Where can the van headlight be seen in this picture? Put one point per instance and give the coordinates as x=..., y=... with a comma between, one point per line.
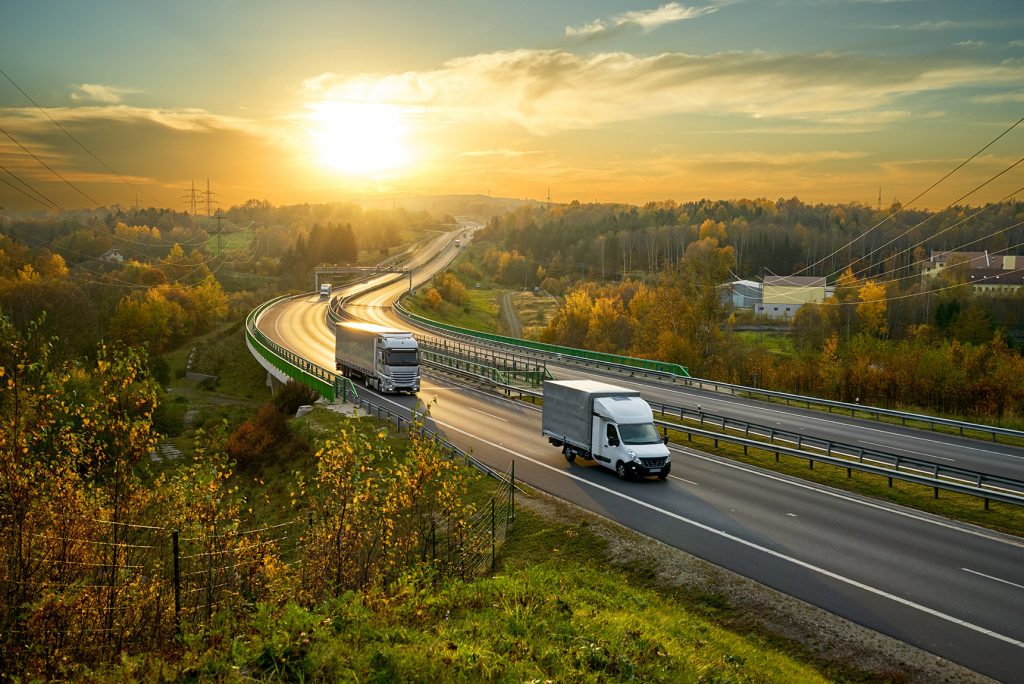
x=632, y=455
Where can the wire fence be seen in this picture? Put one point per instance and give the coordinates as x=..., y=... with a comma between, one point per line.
x=85, y=591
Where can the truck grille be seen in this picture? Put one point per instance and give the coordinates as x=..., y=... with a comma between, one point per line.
x=403, y=377
x=653, y=462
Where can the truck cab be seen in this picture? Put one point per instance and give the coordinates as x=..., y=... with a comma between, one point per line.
x=625, y=439
x=325, y=291
x=611, y=425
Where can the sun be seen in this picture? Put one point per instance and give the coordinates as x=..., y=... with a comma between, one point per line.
x=359, y=138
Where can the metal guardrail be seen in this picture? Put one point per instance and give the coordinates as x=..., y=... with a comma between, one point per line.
x=875, y=412
x=557, y=351
x=987, y=487
x=839, y=449
x=288, y=362
x=933, y=481
x=734, y=390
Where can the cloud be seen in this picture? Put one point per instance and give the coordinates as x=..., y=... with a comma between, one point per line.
x=188, y=120
x=94, y=92
x=593, y=28
x=648, y=20
x=1000, y=98
x=1017, y=43
x=970, y=43
x=546, y=91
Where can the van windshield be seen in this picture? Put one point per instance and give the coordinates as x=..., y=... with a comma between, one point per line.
x=402, y=357
x=639, y=433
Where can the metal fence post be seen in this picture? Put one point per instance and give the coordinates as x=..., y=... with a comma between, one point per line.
x=177, y=579
x=493, y=540
x=512, y=490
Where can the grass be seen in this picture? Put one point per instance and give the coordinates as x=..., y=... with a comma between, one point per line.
x=1002, y=517
x=534, y=310
x=480, y=310
x=777, y=343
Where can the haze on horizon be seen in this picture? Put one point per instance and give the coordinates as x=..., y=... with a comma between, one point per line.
x=826, y=100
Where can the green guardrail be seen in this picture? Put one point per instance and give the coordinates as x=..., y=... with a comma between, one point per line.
x=632, y=361
x=318, y=378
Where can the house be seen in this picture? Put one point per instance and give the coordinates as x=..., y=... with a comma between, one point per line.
x=112, y=255
x=999, y=281
x=742, y=294
x=939, y=261
x=782, y=296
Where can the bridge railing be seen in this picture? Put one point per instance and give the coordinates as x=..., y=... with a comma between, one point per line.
x=318, y=378
x=660, y=367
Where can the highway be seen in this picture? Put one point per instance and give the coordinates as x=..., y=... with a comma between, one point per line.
x=952, y=589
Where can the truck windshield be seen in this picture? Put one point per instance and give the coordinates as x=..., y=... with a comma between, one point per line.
x=639, y=433
x=402, y=357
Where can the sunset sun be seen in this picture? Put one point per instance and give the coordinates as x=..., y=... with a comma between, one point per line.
x=359, y=137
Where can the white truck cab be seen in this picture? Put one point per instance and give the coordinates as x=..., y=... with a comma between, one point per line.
x=611, y=425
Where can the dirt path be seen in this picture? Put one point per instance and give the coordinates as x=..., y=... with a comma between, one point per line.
x=508, y=315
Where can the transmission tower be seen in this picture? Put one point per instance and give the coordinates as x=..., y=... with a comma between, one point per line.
x=209, y=199
x=192, y=199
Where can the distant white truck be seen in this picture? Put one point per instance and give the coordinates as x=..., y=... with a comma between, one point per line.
x=325, y=290
x=385, y=359
x=606, y=423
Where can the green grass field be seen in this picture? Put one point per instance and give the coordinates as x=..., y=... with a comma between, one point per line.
x=479, y=311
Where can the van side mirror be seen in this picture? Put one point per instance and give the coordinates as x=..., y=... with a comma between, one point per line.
x=665, y=439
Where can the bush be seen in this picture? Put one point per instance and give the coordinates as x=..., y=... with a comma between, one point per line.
x=293, y=395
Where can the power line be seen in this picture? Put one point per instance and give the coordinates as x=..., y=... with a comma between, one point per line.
x=43, y=199
x=70, y=184
x=77, y=141
x=911, y=202
x=950, y=205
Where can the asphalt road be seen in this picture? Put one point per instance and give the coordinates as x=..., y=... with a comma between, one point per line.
x=949, y=588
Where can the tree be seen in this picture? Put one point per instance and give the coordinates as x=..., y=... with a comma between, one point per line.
x=871, y=312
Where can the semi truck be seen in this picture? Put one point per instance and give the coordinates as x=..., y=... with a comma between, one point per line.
x=611, y=425
x=325, y=290
x=385, y=359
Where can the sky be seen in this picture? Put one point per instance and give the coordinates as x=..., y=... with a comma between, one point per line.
x=826, y=100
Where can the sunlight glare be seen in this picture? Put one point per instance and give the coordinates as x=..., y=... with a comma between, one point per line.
x=359, y=137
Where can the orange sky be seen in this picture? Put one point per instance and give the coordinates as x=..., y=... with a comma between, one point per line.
x=825, y=100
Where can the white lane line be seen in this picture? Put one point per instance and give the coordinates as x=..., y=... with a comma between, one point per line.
x=676, y=477
x=981, y=574
x=851, y=499
x=909, y=451
x=726, y=402
x=491, y=415
x=803, y=485
x=739, y=540
x=792, y=515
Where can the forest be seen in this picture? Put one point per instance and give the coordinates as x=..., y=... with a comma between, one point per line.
x=649, y=282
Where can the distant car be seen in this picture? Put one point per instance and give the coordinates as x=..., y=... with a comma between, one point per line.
x=477, y=286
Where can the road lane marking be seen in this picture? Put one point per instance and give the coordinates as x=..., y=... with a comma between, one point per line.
x=491, y=415
x=757, y=547
x=676, y=477
x=981, y=574
x=689, y=392
x=851, y=499
x=909, y=451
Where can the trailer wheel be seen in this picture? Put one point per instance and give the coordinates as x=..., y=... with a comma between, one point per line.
x=620, y=470
x=569, y=452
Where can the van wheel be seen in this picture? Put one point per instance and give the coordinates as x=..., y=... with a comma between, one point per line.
x=620, y=470
x=570, y=453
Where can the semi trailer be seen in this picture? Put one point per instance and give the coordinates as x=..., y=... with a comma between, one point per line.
x=385, y=359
